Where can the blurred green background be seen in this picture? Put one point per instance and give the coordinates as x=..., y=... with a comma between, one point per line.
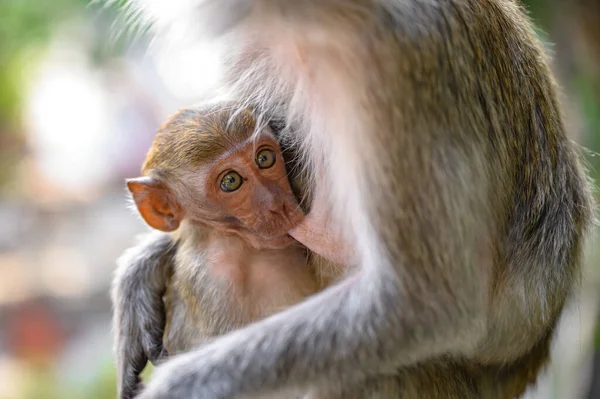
x=79, y=105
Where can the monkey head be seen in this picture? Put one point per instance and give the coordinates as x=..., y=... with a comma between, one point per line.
x=206, y=166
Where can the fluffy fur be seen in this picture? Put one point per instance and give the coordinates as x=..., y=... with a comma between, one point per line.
x=143, y=271
x=438, y=130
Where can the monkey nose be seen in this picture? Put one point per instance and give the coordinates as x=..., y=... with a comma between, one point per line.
x=284, y=215
x=275, y=205
x=293, y=214
x=277, y=208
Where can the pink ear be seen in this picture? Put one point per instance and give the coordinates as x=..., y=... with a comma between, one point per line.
x=156, y=203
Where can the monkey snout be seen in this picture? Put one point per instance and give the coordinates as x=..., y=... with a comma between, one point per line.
x=278, y=210
x=297, y=217
x=275, y=206
x=276, y=225
x=291, y=214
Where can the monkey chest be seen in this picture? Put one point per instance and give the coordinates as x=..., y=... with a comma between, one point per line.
x=227, y=293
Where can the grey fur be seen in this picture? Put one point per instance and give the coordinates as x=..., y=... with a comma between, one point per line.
x=150, y=313
x=453, y=170
x=139, y=284
x=166, y=301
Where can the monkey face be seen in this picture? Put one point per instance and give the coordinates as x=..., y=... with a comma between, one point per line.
x=244, y=190
x=249, y=188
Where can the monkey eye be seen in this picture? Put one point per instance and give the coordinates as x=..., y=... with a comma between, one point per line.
x=231, y=182
x=265, y=158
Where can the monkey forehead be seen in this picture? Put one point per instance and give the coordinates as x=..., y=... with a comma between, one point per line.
x=253, y=142
x=199, y=154
x=197, y=136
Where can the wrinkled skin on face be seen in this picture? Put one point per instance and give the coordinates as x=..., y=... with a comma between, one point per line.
x=250, y=187
x=244, y=191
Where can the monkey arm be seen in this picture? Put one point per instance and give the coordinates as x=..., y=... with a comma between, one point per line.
x=139, y=314
x=421, y=289
x=409, y=124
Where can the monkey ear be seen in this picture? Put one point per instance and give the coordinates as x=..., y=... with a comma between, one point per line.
x=156, y=203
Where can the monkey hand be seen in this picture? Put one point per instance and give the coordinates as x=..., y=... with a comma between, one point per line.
x=151, y=339
x=148, y=329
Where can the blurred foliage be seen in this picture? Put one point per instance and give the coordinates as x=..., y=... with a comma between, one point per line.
x=25, y=24
x=540, y=11
x=42, y=382
x=26, y=28
x=555, y=19
x=589, y=92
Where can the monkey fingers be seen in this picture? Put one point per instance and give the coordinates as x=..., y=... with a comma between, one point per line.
x=132, y=362
x=152, y=341
x=133, y=389
x=157, y=353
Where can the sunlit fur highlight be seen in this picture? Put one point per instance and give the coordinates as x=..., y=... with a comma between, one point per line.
x=429, y=120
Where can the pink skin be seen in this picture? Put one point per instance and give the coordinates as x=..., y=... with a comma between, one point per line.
x=316, y=232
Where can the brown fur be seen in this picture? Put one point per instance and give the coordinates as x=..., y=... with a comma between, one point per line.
x=437, y=127
x=193, y=136
x=215, y=271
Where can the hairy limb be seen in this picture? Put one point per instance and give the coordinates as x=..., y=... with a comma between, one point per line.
x=139, y=314
x=390, y=313
x=437, y=125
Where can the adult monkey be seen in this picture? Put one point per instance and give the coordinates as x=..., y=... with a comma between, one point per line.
x=437, y=127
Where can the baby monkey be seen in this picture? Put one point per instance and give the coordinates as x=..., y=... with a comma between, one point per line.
x=222, y=257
